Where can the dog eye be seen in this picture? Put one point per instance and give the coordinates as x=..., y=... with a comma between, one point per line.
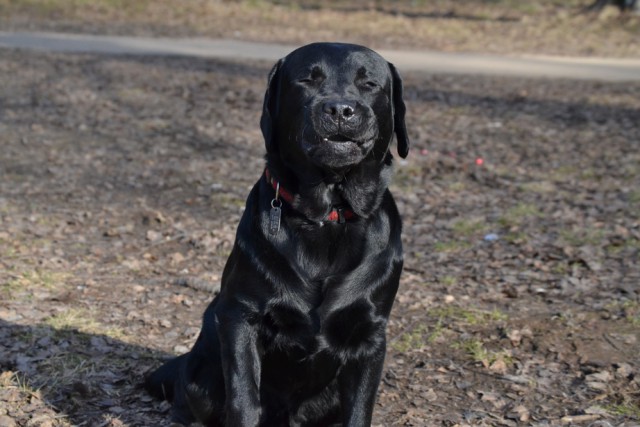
x=315, y=76
x=369, y=84
x=310, y=81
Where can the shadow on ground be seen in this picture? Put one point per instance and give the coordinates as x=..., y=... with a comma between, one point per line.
x=73, y=377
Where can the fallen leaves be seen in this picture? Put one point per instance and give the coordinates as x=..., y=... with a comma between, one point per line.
x=519, y=300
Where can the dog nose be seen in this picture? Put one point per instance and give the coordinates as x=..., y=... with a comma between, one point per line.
x=339, y=109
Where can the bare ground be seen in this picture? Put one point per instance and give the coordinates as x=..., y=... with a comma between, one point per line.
x=122, y=181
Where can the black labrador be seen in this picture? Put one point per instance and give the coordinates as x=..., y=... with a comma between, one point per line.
x=296, y=336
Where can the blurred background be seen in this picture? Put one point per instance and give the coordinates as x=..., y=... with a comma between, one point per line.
x=569, y=27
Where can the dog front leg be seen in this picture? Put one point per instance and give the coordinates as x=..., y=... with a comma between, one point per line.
x=358, y=384
x=241, y=367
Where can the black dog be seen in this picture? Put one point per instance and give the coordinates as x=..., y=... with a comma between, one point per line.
x=296, y=336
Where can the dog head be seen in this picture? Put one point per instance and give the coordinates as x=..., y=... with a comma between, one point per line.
x=333, y=105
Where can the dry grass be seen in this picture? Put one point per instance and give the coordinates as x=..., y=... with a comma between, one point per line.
x=501, y=26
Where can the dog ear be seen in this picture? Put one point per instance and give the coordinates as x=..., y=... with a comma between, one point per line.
x=399, y=112
x=269, y=107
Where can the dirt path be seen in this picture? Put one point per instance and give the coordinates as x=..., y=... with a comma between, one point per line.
x=606, y=69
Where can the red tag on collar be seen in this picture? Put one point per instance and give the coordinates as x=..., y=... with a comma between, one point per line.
x=340, y=215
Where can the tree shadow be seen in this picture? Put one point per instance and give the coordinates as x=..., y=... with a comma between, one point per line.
x=85, y=378
x=568, y=113
x=130, y=126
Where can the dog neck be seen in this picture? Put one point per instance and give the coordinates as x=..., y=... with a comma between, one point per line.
x=337, y=214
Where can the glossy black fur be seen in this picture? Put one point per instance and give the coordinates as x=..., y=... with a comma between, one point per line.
x=296, y=336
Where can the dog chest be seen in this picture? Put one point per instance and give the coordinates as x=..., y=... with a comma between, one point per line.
x=351, y=331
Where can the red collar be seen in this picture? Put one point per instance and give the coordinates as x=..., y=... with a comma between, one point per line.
x=339, y=215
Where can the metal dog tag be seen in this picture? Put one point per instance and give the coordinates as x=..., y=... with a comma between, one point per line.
x=274, y=220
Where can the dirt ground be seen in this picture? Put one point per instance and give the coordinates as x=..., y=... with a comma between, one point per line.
x=122, y=180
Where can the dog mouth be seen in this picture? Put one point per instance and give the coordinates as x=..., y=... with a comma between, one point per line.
x=341, y=139
x=337, y=144
x=337, y=150
x=341, y=142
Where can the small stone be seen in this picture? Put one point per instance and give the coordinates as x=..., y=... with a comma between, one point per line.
x=153, y=235
x=180, y=349
x=499, y=366
x=602, y=376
